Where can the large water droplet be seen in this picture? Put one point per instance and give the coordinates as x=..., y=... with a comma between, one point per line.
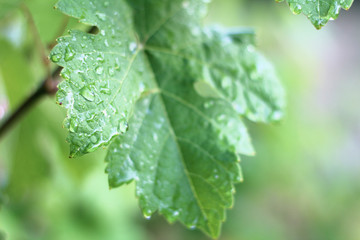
x=69, y=53
x=132, y=46
x=176, y=213
x=87, y=94
x=147, y=213
x=101, y=16
x=93, y=139
x=99, y=70
x=123, y=127
x=55, y=57
x=65, y=74
x=296, y=8
x=73, y=125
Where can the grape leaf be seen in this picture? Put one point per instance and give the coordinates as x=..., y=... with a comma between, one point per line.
x=319, y=12
x=183, y=91
x=103, y=74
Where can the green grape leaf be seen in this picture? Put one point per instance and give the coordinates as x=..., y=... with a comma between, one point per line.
x=103, y=74
x=181, y=90
x=319, y=12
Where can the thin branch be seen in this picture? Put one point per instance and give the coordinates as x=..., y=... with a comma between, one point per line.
x=36, y=36
x=47, y=87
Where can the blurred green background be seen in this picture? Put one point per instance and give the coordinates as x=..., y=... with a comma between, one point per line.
x=304, y=182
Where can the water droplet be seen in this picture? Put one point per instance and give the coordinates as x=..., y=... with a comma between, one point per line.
x=296, y=8
x=93, y=139
x=226, y=82
x=132, y=46
x=155, y=137
x=87, y=94
x=69, y=53
x=117, y=67
x=123, y=127
x=105, y=91
x=101, y=16
x=99, y=70
x=100, y=58
x=111, y=71
x=106, y=43
x=73, y=126
x=221, y=118
x=65, y=74
x=56, y=57
x=147, y=213
x=141, y=86
x=208, y=104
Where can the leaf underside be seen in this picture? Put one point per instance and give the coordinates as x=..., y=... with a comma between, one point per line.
x=319, y=12
x=170, y=97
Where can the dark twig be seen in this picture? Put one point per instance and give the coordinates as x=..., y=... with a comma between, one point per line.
x=47, y=87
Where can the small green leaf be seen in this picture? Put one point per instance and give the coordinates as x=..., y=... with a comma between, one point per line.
x=319, y=12
x=103, y=74
x=181, y=100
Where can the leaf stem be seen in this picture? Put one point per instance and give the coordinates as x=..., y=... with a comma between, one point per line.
x=37, y=39
x=47, y=87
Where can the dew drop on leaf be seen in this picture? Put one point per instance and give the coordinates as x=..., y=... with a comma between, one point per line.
x=99, y=70
x=69, y=53
x=65, y=74
x=296, y=8
x=101, y=58
x=73, y=126
x=147, y=214
x=111, y=71
x=93, y=139
x=56, y=57
x=132, y=47
x=101, y=16
x=106, y=91
x=87, y=94
x=123, y=126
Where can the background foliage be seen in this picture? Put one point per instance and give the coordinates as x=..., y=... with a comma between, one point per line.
x=303, y=184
